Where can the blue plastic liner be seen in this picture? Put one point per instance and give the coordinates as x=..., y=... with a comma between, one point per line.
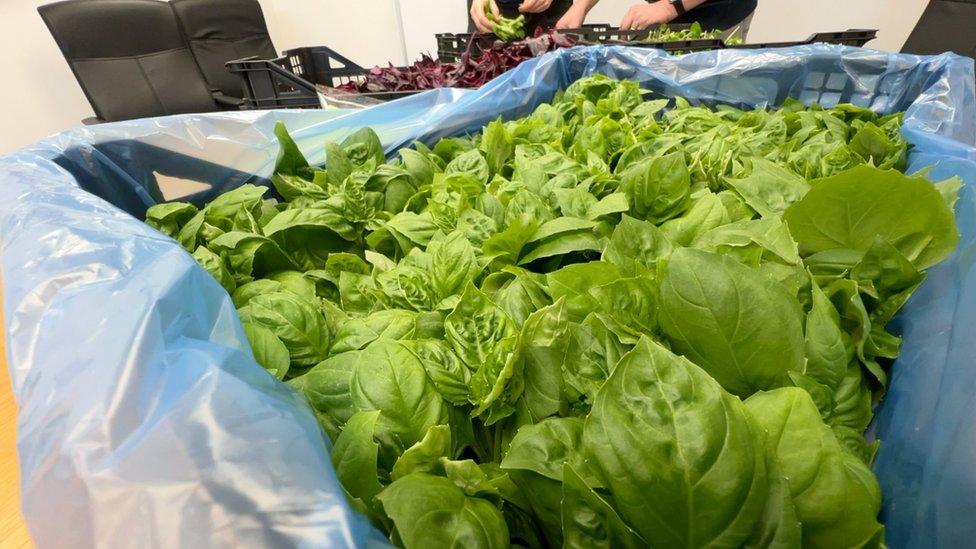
x=146, y=422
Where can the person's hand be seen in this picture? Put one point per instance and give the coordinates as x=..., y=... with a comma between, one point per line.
x=535, y=6
x=478, y=14
x=641, y=16
x=573, y=18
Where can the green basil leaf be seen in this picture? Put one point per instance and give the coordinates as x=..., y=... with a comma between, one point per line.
x=327, y=388
x=354, y=456
x=702, y=478
x=269, y=351
x=297, y=323
x=425, y=456
x=837, y=497
x=431, y=512
x=851, y=210
x=744, y=329
x=589, y=521
x=389, y=378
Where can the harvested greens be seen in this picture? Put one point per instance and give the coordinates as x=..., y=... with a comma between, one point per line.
x=475, y=68
x=614, y=322
x=664, y=33
x=503, y=27
x=470, y=71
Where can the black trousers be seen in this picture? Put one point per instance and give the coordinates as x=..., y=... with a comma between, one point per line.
x=546, y=19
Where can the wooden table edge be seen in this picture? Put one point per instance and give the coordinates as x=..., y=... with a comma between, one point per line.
x=13, y=530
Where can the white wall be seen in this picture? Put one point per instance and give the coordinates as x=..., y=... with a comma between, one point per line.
x=39, y=96
x=422, y=19
x=368, y=33
x=797, y=19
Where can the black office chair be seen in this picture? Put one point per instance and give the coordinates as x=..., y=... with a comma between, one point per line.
x=129, y=58
x=944, y=26
x=219, y=31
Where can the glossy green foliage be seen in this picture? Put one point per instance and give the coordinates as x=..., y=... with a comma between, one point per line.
x=611, y=323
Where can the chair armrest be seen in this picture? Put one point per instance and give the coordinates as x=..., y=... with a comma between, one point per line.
x=226, y=100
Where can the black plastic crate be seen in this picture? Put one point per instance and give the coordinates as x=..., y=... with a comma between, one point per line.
x=851, y=37
x=291, y=80
x=451, y=45
x=267, y=85
x=608, y=34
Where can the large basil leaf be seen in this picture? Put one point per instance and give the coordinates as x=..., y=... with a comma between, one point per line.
x=779, y=527
x=327, y=388
x=268, y=350
x=518, y=292
x=657, y=187
x=419, y=166
x=544, y=500
x=544, y=447
x=453, y=264
x=542, y=344
x=836, y=495
x=389, y=378
x=363, y=147
x=765, y=239
x=497, y=144
x=310, y=235
x=769, y=188
x=574, y=283
x=215, y=265
x=169, y=218
x=827, y=355
x=425, y=456
x=706, y=212
x=852, y=209
x=485, y=338
x=593, y=351
x=354, y=456
x=357, y=333
x=744, y=329
x=406, y=286
x=431, y=512
x=291, y=161
x=251, y=255
x=450, y=376
x=470, y=163
x=296, y=322
x=636, y=242
x=589, y=521
x=682, y=460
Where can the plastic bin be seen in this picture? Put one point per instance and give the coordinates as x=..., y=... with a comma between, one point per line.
x=850, y=37
x=450, y=46
x=291, y=80
x=144, y=419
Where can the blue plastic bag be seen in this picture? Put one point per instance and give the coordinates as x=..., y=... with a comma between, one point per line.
x=145, y=420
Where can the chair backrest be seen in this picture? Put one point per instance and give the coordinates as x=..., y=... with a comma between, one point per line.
x=219, y=31
x=944, y=26
x=129, y=57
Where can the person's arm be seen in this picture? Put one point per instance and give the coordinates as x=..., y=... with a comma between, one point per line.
x=576, y=14
x=641, y=16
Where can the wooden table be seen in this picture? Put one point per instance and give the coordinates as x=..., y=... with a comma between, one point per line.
x=13, y=531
